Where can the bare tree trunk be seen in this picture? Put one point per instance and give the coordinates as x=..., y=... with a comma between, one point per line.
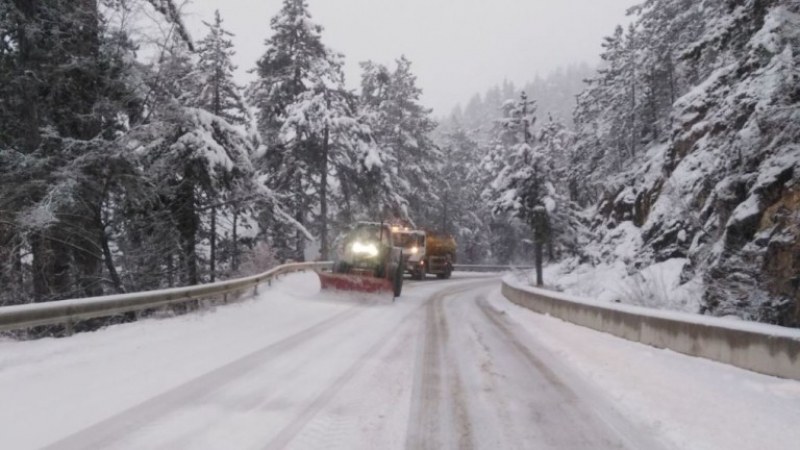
x=348, y=209
x=87, y=242
x=235, y=240
x=190, y=255
x=7, y=260
x=323, y=192
x=109, y=261
x=170, y=270
x=632, y=118
x=633, y=108
x=217, y=110
x=537, y=255
x=213, y=255
x=188, y=224
x=39, y=267
x=88, y=267
x=20, y=274
x=540, y=236
x=60, y=264
x=300, y=217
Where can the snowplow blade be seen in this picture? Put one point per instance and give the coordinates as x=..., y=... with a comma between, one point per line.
x=357, y=283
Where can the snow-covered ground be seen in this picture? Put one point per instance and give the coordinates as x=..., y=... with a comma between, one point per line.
x=657, y=286
x=451, y=364
x=690, y=402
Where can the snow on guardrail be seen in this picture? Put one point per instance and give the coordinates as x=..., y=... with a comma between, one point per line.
x=70, y=311
x=762, y=348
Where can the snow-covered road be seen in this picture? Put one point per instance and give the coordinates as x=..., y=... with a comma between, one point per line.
x=451, y=364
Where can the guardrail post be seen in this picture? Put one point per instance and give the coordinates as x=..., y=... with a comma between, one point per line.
x=225, y=298
x=255, y=290
x=69, y=328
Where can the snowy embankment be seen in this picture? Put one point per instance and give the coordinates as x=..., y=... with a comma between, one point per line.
x=659, y=285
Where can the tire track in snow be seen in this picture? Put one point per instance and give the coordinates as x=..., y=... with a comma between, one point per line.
x=434, y=383
x=491, y=379
x=426, y=408
x=593, y=422
x=103, y=434
x=458, y=410
x=251, y=403
x=290, y=431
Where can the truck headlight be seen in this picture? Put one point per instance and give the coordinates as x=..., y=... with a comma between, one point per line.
x=414, y=250
x=360, y=248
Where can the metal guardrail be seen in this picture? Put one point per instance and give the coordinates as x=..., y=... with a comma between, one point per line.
x=488, y=268
x=69, y=312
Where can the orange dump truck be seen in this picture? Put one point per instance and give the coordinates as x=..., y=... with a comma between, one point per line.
x=427, y=252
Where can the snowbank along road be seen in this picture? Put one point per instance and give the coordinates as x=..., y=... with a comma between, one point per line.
x=449, y=365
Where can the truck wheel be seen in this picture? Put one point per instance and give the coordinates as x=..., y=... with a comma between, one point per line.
x=449, y=271
x=421, y=273
x=398, y=281
x=380, y=271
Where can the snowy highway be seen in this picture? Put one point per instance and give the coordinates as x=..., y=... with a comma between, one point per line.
x=451, y=364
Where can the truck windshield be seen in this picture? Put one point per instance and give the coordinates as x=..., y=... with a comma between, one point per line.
x=408, y=240
x=367, y=233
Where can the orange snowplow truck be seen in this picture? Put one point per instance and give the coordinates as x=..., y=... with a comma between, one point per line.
x=426, y=252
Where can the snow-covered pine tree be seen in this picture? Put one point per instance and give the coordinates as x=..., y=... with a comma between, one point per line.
x=221, y=96
x=402, y=128
x=662, y=32
x=462, y=211
x=605, y=118
x=295, y=62
x=568, y=232
x=382, y=193
x=59, y=72
x=11, y=245
x=505, y=231
x=325, y=118
x=520, y=188
x=68, y=76
x=198, y=160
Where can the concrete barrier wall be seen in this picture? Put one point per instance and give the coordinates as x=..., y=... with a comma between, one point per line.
x=766, y=349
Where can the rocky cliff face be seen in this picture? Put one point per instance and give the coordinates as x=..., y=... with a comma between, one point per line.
x=723, y=189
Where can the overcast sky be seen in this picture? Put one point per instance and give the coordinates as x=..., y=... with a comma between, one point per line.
x=457, y=47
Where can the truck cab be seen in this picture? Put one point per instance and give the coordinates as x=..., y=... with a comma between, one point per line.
x=426, y=253
x=369, y=250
